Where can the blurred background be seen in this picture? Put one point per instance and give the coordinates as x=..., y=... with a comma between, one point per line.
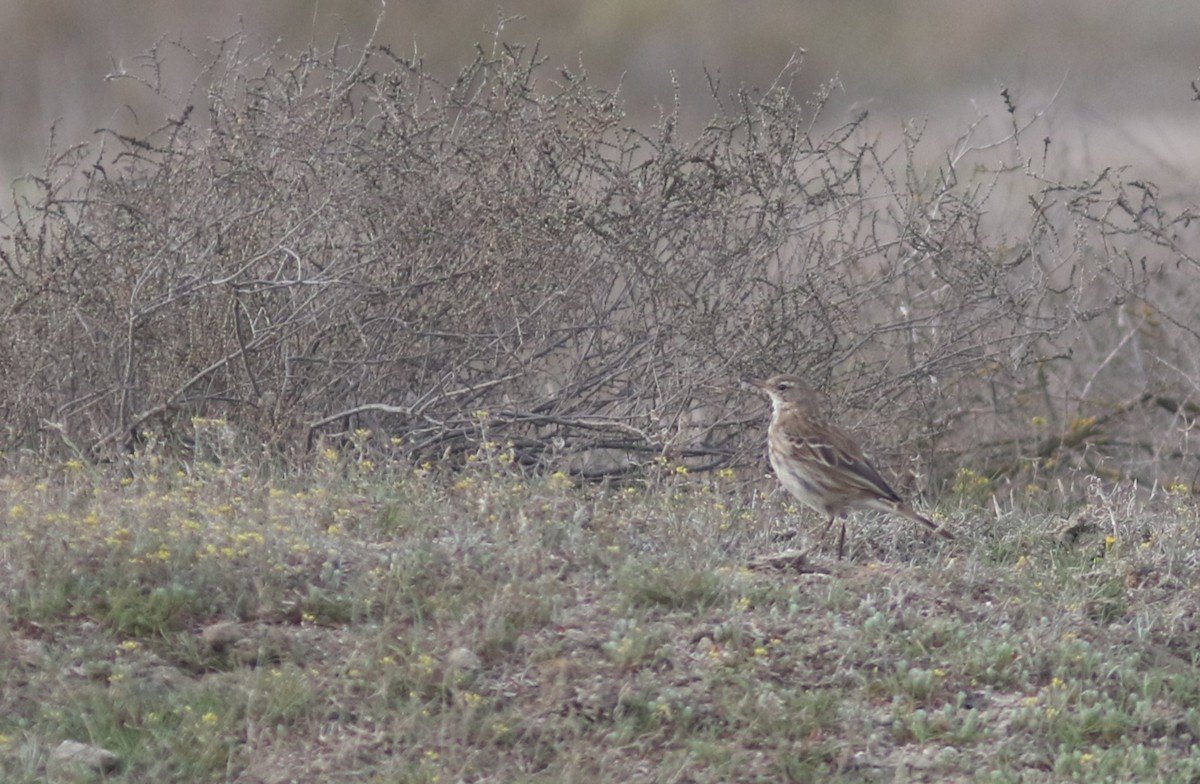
x=1121, y=74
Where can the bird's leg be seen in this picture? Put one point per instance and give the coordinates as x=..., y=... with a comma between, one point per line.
x=841, y=538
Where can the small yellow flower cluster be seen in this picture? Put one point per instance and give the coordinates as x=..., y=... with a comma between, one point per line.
x=968, y=482
x=1082, y=423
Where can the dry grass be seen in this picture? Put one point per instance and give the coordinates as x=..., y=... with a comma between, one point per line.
x=324, y=241
x=373, y=621
x=521, y=289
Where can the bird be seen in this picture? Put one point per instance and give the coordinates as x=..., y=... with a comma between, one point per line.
x=820, y=463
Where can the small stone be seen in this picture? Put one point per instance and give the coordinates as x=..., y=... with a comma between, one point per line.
x=222, y=635
x=463, y=660
x=71, y=761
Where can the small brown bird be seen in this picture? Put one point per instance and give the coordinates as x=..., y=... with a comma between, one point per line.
x=819, y=463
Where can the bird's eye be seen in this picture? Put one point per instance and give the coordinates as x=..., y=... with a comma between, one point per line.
x=782, y=386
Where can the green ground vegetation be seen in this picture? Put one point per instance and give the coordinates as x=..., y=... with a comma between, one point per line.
x=366, y=620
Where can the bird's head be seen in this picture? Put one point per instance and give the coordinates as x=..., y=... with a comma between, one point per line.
x=784, y=388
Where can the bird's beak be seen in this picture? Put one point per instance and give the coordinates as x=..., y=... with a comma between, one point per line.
x=753, y=383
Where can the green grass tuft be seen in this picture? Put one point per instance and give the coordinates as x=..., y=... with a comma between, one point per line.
x=396, y=624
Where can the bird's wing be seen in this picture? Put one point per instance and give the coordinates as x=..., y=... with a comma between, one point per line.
x=836, y=449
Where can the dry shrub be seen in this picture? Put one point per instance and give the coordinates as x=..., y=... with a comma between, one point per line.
x=318, y=243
